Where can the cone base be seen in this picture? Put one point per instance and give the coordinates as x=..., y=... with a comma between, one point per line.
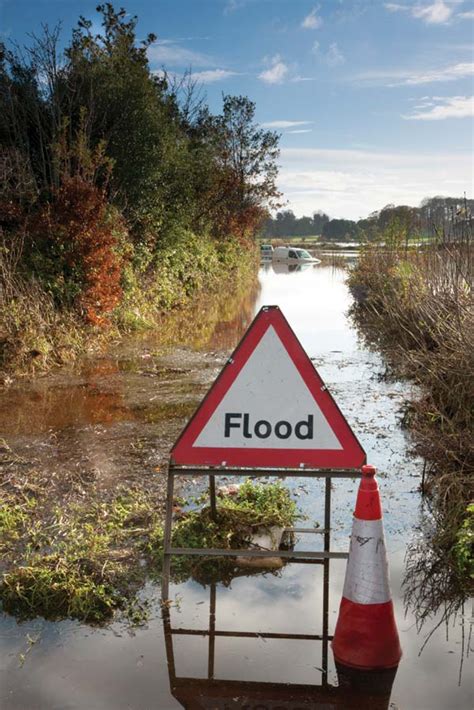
x=366, y=636
x=378, y=682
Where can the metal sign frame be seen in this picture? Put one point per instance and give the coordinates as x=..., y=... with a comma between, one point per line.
x=309, y=556
x=315, y=463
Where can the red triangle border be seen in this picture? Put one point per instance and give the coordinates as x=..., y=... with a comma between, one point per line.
x=350, y=456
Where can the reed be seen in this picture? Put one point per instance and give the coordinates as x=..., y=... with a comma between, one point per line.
x=415, y=304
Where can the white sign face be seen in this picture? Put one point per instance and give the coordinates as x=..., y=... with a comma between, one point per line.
x=268, y=406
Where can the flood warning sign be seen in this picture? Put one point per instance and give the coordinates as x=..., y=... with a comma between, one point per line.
x=269, y=408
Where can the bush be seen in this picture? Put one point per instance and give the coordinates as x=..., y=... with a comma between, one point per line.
x=417, y=306
x=78, y=231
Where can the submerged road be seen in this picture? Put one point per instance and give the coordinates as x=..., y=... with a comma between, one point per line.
x=115, y=418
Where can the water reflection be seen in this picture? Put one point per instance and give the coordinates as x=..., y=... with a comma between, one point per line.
x=433, y=592
x=41, y=406
x=215, y=322
x=355, y=689
x=281, y=268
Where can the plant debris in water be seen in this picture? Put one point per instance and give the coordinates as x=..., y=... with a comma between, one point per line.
x=255, y=506
x=86, y=561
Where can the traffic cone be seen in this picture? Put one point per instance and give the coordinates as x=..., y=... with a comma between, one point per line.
x=366, y=635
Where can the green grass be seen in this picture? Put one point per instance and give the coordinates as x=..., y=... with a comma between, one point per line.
x=87, y=561
x=464, y=545
x=82, y=562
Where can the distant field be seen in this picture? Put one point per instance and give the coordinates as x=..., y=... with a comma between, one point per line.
x=312, y=242
x=307, y=240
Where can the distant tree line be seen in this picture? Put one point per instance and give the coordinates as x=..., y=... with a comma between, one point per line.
x=105, y=163
x=436, y=216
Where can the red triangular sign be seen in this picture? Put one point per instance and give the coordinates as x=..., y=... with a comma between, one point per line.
x=268, y=408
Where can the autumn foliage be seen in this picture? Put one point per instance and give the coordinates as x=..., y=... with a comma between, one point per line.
x=79, y=221
x=121, y=193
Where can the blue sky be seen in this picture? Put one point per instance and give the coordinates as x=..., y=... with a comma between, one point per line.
x=373, y=99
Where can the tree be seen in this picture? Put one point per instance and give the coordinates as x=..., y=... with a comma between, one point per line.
x=131, y=110
x=319, y=220
x=343, y=229
x=244, y=185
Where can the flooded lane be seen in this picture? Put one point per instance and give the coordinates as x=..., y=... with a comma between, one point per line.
x=116, y=418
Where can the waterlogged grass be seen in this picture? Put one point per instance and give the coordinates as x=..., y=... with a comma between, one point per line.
x=257, y=505
x=13, y=519
x=82, y=562
x=86, y=561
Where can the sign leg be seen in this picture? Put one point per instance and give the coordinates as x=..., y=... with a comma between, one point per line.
x=212, y=497
x=327, y=540
x=167, y=538
x=212, y=629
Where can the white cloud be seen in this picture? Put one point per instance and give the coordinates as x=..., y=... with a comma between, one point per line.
x=468, y=15
x=168, y=52
x=210, y=75
x=441, y=108
x=299, y=78
x=334, y=57
x=301, y=130
x=414, y=77
x=436, y=13
x=284, y=124
x=353, y=183
x=312, y=21
x=233, y=5
x=277, y=72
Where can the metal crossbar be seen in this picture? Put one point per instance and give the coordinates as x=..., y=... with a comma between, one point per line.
x=300, y=556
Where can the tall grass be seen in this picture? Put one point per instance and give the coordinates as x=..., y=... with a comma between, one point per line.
x=34, y=333
x=417, y=305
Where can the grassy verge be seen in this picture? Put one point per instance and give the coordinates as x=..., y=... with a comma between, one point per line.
x=79, y=561
x=36, y=334
x=88, y=560
x=416, y=307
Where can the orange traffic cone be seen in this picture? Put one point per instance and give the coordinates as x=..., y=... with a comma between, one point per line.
x=366, y=635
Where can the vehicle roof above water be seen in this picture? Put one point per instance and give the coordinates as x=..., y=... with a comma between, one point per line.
x=280, y=251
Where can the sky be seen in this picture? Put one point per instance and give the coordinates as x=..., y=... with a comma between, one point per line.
x=373, y=99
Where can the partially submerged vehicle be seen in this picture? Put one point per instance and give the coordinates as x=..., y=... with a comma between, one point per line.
x=290, y=255
x=266, y=251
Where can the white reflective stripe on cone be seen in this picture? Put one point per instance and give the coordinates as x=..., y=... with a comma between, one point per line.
x=366, y=579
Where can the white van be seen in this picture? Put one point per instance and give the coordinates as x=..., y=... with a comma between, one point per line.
x=266, y=251
x=291, y=255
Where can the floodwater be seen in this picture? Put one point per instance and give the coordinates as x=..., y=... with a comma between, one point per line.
x=249, y=644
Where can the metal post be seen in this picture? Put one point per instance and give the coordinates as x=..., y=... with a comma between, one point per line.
x=167, y=537
x=327, y=541
x=212, y=629
x=169, y=646
x=212, y=497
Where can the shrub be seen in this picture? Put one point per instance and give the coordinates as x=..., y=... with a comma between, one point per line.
x=79, y=230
